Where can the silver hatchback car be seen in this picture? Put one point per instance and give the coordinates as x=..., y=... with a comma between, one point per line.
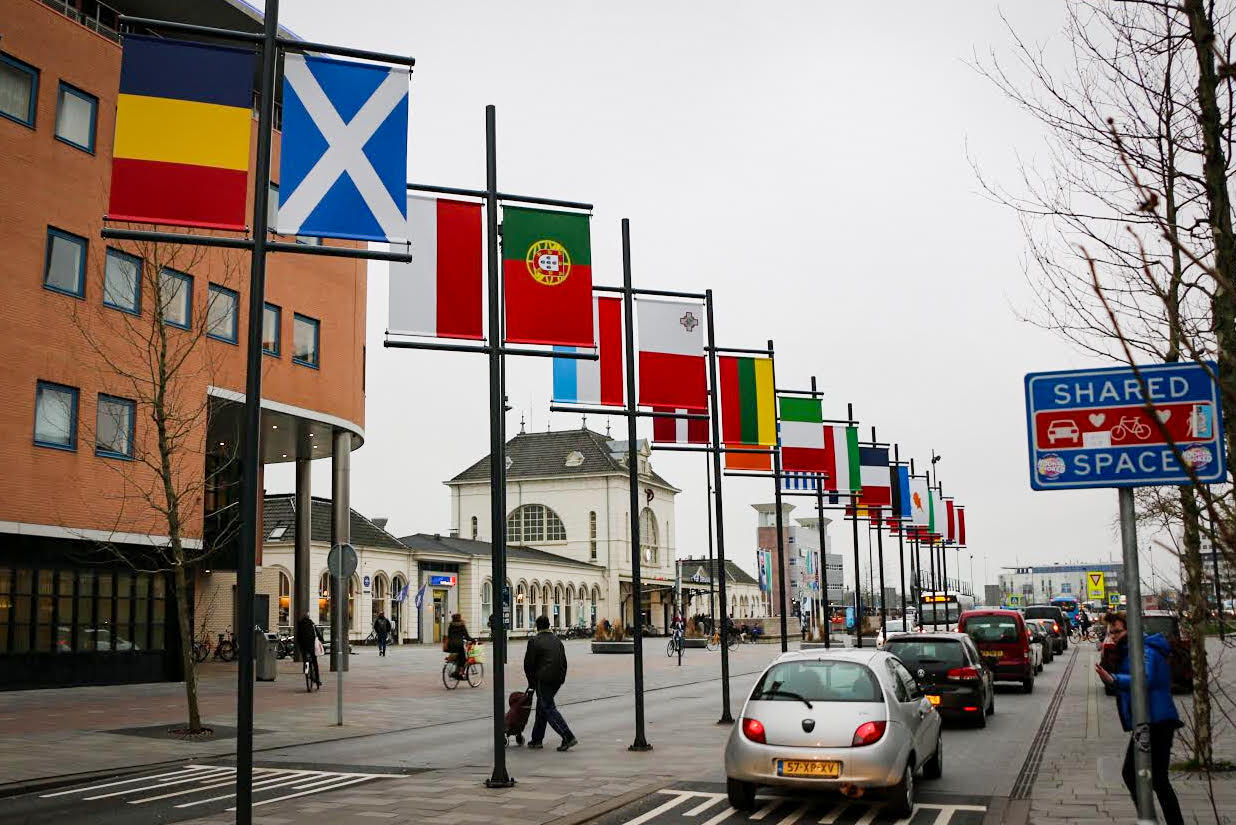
x=837, y=720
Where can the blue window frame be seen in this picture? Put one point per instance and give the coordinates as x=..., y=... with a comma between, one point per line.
x=306, y=337
x=64, y=269
x=122, y=282
x=272, y=320
x=19, y=90
x=55, y=416
x=77, y=114
x=113, y=432
x=176, y=304
x=222, y=304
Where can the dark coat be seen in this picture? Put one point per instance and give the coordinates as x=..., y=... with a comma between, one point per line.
x=306, y=634
x=456, y=635
x=545, y=661
x=1158, y=682
x=382, y=626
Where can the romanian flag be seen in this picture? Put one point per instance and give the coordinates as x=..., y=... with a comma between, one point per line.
x=182, y=134
x=748, y=409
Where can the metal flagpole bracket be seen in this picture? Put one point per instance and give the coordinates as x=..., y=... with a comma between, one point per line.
x=444, y=346
x=502, y=196
x=568, y=408
x=666, y=293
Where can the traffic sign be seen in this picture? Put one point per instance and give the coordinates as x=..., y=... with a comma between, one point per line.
x=348, y=553
x=1113, y=598
x=1091, y=428
x=1095, y=585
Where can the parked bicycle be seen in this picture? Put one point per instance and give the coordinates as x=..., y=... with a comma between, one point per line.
x=474, y=671
x=224, y=650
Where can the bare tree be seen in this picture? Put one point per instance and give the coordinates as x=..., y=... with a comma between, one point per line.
x=158, y=357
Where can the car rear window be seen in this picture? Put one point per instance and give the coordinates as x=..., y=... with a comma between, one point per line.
x=818, y=681
x=1042, y=613
x=1159, y=624
x=914, y=653
x=992, y=628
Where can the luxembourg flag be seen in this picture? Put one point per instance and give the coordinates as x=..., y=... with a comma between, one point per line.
x=577, y=381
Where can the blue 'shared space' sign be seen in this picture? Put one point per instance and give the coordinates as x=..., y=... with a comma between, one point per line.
x=1091, y=428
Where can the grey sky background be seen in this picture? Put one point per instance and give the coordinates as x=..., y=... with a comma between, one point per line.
x=805, y=160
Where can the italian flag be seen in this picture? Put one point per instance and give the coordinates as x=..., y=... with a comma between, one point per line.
x=439, y=292
x=547, y=272
x=748, y=408
x=936, y=516
x=842, y=460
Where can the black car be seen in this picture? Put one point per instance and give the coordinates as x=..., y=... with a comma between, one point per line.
x=1060, y=626
x=1040, y=631
x=951, y=672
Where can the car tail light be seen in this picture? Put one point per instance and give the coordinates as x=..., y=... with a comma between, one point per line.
x=963, y=674
x=1055, y=627
x=868, y=732
x=970, y=708
x=753, y=729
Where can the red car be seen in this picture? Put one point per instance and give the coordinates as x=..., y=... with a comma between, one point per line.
x=1003, y=642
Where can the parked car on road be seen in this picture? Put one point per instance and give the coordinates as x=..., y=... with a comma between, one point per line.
x=951, y=671
x=1060, y=626
x=1004, y=642
x=852, y=721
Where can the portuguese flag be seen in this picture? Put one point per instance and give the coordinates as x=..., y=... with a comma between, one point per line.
x=547, y=268
x=748, y=409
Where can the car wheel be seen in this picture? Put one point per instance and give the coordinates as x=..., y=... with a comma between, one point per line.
x=981, y=721
x=933, y=768
x=901, y=801
x=1027, y=685
x=741, y=794
x=991, y=705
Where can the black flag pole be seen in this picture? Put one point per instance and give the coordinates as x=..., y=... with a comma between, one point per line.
x=858, y=597
x=878, y=522
x=726, y=718
x=901, y=531
x=782, y=578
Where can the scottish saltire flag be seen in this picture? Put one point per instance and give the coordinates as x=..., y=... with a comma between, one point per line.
x=420, y=596
x=181, y=152
x=800, y=481
x=577, y=381
x=343, y=167
x=403, y=593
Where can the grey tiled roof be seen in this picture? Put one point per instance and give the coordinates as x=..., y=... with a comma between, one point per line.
x=280, y=511
x=734, y=573
x=454, y=546
x=537, y=455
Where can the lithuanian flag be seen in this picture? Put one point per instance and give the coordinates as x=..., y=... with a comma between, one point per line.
x=183, y=123
x=748, y=409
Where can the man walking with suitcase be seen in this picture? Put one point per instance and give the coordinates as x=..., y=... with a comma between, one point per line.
x=545, y=665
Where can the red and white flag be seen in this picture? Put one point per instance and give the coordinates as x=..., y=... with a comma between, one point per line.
x=671, y=355
x=439, y=293
x=679, y=430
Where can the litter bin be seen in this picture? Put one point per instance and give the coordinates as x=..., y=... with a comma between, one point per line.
x=267, y=647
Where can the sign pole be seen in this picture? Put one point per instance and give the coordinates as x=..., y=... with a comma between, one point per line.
x=715, y=421
x=497, y=446
x=712, y=571
x=781, y=577
x=637, y=587
x=880, y=560
x=1137, y=656
x=819, y=513
x=858, y=597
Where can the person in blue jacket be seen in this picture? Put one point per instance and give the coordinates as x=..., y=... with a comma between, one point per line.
x=1164, y=721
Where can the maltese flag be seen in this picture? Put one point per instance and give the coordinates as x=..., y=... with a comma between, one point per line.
x=671, y=355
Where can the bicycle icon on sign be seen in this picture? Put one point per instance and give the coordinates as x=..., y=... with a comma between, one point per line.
x=1130, y=425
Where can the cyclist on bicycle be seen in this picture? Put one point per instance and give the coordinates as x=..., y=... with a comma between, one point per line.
x=457, y=640
x=307, y=642
x=1084, y=619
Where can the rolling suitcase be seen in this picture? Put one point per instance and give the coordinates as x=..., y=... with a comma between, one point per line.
x=519, y=707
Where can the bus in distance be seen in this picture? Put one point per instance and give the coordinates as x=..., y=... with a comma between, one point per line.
x=942, y=611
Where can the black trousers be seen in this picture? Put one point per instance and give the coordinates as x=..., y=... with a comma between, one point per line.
x=1161, y=736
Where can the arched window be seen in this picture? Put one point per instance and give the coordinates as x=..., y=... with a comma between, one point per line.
x=521, y=597
x=545, y=588
x=596, y=596
x=648, y=535
x=566, y=606
x=592, y=535
x=285, y=600
x=397, y=584
x=534, y=523
x=474, y=528
x=324, y=599
x=377, y=604
x=487, y=602
x=533, y=600
x=557, y=617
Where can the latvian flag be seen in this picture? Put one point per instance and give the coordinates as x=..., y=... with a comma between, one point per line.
x=579, y=381
x=679, y=430
x=439, y=293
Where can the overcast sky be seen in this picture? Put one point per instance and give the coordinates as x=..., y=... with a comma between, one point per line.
x=808, y=161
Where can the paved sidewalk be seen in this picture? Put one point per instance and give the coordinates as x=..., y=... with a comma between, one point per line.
x=1079, y=781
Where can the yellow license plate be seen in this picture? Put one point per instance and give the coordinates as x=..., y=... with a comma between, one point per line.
x=814, y=767
x=993, y=654
x=931, y=697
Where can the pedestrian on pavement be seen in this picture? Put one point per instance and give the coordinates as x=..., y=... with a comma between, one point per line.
x=1084, y=617
x=382, y=629
x=307, y=644
x=1164, y=721
x=545, y=665
x=457, y=640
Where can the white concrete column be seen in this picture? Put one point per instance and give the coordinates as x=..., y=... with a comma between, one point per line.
x=341, y=533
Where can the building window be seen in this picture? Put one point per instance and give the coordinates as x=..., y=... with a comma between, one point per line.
x=592, y=536
x=1066, y=587
x=285, y=600
x=558, y=606
x=592, y=614
x=122, y=282
x=55, y=416
x=545, y=600
x=19, y=89
x=648, y=535
x=176, y=298
x=75, y=117
x=534, y=523
x=272, y=317
x=487, y=602
x=521, y=596
x=474, y=528
x=377, y=604
x=114, y=427
x=324, y=609
x=221, y=307
x=65, y=267
x=305, y=334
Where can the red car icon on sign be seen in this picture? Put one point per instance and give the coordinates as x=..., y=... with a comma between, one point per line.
x=1063, y=431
